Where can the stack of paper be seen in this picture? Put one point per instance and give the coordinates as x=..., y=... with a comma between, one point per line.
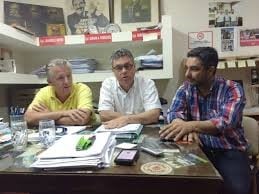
x=64, y=154
x=128, y=131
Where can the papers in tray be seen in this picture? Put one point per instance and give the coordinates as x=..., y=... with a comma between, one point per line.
x=128, y=131
x=64, y=154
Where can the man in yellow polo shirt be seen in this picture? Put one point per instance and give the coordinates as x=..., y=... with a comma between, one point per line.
x=62, y=100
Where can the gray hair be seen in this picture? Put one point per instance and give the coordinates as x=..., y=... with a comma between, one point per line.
x=54, y=63
x=121, y=52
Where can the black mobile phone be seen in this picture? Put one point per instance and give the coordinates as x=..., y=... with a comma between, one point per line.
x=127, y=157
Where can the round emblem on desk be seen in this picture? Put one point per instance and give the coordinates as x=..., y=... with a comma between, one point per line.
x=158, y=168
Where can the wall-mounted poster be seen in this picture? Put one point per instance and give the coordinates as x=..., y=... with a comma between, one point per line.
x=227, y=39
x=35, y=18
x=249, y=37
x=88, y=16
x=132, y=14
x=225, y=14
x=200, y=39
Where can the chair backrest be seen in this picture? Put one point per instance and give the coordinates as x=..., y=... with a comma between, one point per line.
x=251, y=130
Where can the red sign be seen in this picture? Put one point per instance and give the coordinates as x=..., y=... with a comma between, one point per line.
x=138, y=35
x=98, y=38
x=251, y=42
x=51, y=40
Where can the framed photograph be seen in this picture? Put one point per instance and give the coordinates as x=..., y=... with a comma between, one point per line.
x=225, y=14
x=133, y=14
x=88, y=16
x=34, y=18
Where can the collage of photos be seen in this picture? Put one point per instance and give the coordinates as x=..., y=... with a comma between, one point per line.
x=40, y=20
x=222, y=14
x=82, y=17
x=227, y=39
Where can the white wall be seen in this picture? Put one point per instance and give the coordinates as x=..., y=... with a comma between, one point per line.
x=187, y=16
x=192, y=16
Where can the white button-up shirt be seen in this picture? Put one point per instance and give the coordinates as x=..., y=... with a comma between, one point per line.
x=141, y=97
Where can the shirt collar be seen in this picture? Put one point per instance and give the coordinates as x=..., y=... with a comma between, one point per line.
x=212, y=87
x=53, y=94
x=132, y=87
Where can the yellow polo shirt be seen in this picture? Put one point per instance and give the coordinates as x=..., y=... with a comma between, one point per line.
x=80, y=97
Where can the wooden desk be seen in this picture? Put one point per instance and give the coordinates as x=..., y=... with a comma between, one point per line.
x=197, y=179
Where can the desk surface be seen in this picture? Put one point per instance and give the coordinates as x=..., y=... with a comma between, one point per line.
x=200, y=178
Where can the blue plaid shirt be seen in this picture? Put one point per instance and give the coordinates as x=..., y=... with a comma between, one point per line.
x=223, y=106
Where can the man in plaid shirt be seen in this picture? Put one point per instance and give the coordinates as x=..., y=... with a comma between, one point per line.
x=209, y=109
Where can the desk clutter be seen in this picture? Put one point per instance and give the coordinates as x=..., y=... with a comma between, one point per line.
x=64, y=153
x=90, y=150
x=79, y=147
x=5, y=138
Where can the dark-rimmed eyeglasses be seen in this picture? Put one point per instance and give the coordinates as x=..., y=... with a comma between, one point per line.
x=126, y=66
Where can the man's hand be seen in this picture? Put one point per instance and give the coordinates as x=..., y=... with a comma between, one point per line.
x=176, y=130
x=192, y=138
x=76, y=115
x=40, y=108
x=116, y=123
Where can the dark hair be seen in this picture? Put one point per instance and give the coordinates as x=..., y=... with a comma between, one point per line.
x=121, y=52
x=207, y=55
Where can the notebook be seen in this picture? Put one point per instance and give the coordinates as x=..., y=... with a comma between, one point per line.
x=130, y=131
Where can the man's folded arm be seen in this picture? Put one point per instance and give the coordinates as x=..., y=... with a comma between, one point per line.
x=147, y=117
x=66, y=117
x=75, y=117
x=33, y=117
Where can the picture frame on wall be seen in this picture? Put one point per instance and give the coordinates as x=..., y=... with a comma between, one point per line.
x=133, y=14
x=35, y=19
x=88, y=16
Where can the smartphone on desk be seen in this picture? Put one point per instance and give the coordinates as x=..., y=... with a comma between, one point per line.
x=127, y=157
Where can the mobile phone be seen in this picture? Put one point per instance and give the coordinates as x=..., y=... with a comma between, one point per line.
x=127, y=157
x=154, y=152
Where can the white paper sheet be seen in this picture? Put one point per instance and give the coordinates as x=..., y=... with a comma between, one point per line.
x=65, y=147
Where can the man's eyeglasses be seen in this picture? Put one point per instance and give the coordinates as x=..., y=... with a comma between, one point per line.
x=127, y=66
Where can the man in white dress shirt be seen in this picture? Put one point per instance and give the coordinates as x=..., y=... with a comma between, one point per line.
x=127, y=98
